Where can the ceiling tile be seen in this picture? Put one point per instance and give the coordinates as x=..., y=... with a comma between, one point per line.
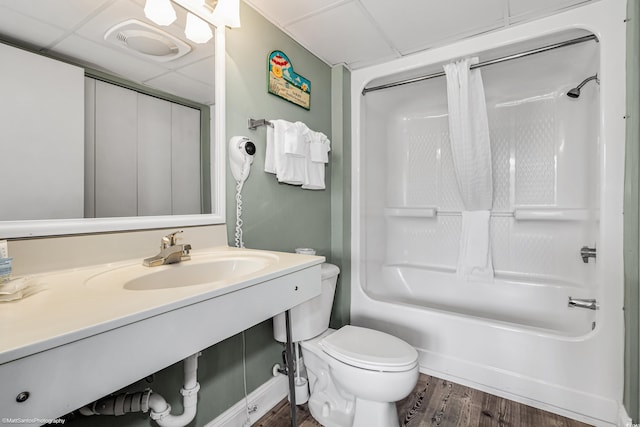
x=183, y=86
x=67, y=13
x=119, y=11
x=13, y=24
x=123, y=10
x=108, y=59
x=343, y=34
x=418, y=24
x=525, y=7
x=283, y=12
x=203, y=71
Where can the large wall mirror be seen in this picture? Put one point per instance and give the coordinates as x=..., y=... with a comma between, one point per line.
x=109, y=121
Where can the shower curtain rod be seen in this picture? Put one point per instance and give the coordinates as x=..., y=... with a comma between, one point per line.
x=485, y=63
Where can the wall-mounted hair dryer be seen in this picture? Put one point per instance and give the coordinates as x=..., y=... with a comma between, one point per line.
x=241, y=151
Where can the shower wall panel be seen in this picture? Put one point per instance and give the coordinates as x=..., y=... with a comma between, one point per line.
x=545, y=152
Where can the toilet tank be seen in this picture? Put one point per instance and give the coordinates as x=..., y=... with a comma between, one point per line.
x=310, y=318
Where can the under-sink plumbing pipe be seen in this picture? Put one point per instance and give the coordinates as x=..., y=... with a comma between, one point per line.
x=148, y=401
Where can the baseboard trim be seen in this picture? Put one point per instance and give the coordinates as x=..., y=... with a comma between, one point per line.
x=264, y=398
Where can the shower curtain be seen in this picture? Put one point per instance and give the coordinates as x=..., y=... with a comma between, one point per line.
x=471, y=149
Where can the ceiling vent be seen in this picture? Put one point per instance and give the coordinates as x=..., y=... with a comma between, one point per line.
x=147, y=41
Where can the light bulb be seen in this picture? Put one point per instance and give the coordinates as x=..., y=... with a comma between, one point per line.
x=197, y=30
x=160, y=11
x=228, y=13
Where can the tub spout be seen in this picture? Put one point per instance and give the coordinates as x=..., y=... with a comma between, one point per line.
x=591, y=304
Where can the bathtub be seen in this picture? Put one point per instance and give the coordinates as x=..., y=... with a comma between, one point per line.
x=558, y=169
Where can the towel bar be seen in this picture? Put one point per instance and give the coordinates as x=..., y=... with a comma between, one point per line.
x=254, y=124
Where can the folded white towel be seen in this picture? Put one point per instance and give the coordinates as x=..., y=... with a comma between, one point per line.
x=270, y=149
x=295, y=143
x=290, y=168
x=319, y=147
x=474, y=259
x=296, y=154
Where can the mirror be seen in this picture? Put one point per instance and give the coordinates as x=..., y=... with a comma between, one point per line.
x=76, y=32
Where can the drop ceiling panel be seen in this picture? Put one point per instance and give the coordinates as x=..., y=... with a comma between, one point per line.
x=123, y=10
x=203, y=71
x=13, y=24
x=183, y=86
x=108, y=59
x=283, y=12
x=342, y=34
x=119, y=11
x=528, y=7
x=68, y=13
x=417, y=24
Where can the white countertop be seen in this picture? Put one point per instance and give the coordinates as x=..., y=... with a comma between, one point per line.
x=68, y=310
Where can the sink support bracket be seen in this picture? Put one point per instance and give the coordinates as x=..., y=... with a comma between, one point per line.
x=292, y=388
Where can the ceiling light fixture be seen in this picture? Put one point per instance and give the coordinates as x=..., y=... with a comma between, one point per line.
x=200, y=14
x=160, y=11
x=197, y=30
x=215, y=12
x=228, y=12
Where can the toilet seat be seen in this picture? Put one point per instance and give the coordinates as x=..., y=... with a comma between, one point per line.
x=369, y=349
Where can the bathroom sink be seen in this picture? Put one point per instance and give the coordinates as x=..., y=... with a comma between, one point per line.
x=200, y=270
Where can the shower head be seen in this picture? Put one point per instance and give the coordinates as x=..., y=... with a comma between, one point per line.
x=575, y=92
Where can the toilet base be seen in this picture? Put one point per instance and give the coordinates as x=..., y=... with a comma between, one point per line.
x=375, y=414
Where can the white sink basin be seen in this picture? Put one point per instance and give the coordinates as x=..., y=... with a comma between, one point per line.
x=200, y=270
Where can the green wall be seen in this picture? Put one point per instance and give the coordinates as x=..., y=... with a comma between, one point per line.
x=632, y=217
x=341, y=191
x=276, y=216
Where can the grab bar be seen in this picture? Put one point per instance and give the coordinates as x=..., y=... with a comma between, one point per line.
x=591, y=304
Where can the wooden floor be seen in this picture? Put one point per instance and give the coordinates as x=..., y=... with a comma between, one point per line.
x=436, y=402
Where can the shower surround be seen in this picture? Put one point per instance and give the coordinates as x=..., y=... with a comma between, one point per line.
x=558, y=168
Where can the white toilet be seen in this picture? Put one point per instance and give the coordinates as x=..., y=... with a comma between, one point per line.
x=355, y=374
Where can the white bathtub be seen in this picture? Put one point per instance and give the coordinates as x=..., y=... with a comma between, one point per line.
x=558, y=177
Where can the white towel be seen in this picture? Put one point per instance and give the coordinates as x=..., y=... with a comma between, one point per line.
x=471, y=149
x=287, y=168
x=274, y=133
x=295, y=143
x=474, y=259
x=319, y=149
x=318, y=155
x=291, y=166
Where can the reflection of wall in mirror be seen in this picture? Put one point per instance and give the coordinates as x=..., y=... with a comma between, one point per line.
x=88, y=148
x=143, y=154
x=41, y=147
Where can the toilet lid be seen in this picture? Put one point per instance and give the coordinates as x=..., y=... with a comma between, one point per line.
x=369, y=349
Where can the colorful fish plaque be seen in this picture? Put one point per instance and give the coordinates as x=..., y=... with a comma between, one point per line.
x=285, y=83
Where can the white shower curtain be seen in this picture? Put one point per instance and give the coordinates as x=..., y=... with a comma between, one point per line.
x=469, y=136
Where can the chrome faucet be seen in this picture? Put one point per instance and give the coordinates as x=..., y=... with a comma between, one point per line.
x=170, y=252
